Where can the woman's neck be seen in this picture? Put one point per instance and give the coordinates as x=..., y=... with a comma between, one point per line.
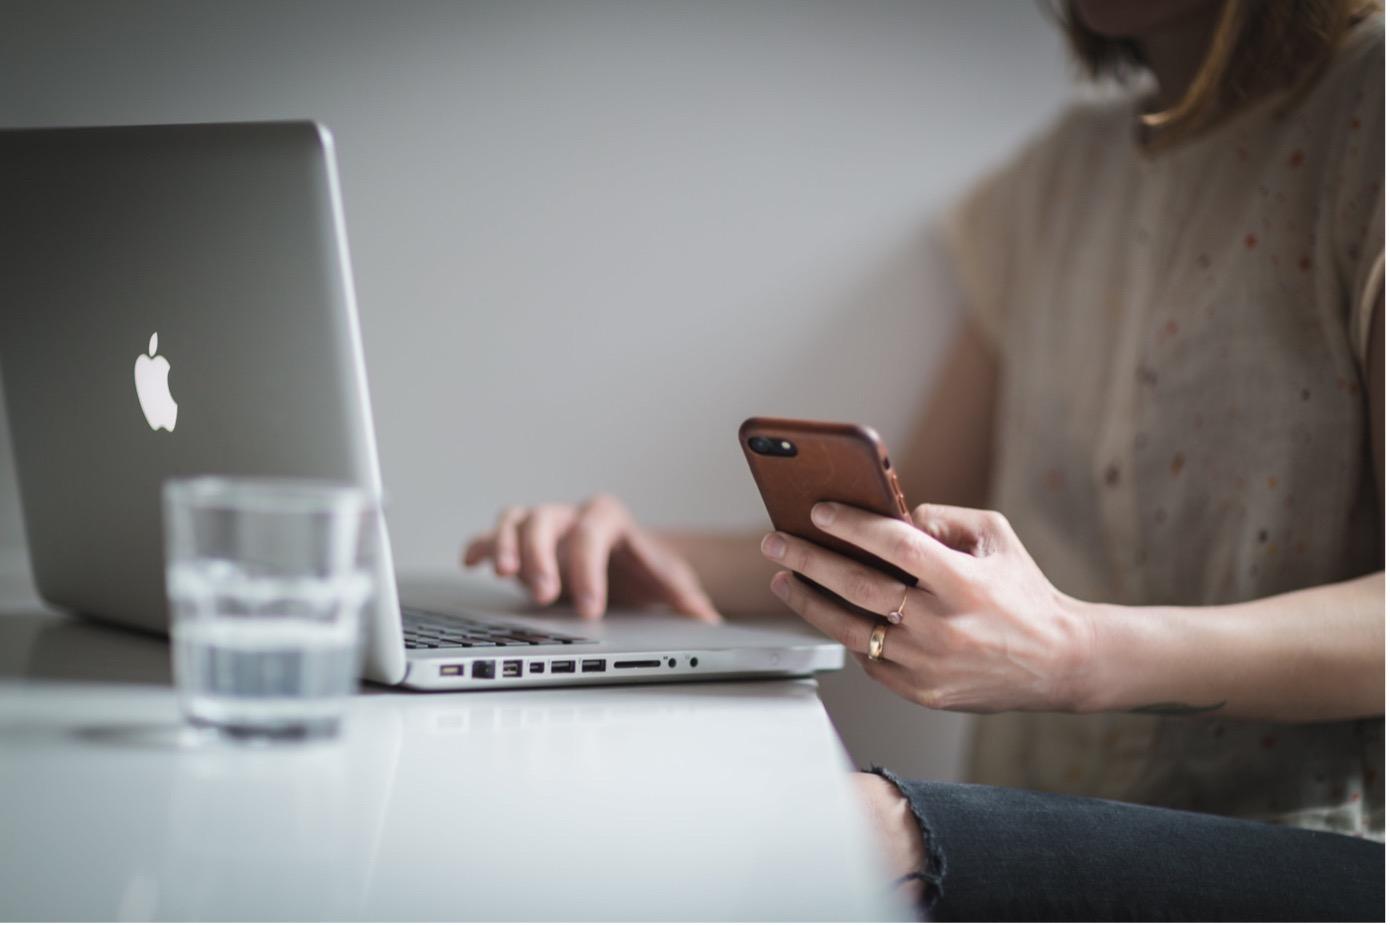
x=1174, y=52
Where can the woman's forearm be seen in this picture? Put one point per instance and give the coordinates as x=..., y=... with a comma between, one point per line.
x=734, y=574
x=1307, y=656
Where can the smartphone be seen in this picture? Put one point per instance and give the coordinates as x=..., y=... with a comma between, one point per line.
x=797, y=463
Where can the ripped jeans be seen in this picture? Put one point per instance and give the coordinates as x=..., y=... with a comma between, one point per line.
x=1007, y=855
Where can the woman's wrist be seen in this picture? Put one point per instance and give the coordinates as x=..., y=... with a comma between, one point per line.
x=1097, y=678
x=1147, y=660
x=1312, y=655
x=1118, y=654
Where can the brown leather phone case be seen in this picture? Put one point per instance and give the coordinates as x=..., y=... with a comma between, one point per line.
x=832, y=462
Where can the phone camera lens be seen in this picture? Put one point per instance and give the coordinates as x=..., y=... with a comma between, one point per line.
x=772, y=446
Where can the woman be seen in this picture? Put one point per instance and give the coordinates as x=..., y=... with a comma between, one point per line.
x=1172, y=382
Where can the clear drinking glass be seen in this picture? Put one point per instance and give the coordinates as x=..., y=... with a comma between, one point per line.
x=267, y=582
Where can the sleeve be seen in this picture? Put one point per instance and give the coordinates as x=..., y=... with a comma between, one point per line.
x=1358, y=199
x=983, y=233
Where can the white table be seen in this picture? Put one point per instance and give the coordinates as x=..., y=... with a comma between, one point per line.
x=695, y=801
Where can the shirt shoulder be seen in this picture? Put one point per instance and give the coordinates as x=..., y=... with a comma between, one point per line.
x=987, y=232
x=1085, y=128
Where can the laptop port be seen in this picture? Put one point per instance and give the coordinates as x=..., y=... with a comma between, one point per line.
x=511, y=668
x=486, y=670
x=538, y=668
x=451, y=669
x=595, y=664
x=564, y=667
x=638, y=663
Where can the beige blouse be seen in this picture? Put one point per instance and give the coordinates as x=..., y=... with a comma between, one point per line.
x=1182, y=421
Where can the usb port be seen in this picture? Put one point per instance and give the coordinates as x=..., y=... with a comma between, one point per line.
x=511, y=668
x=595, y=664
x=538, y=668
x=485, y=670
x=451, y=669
x=564, y=667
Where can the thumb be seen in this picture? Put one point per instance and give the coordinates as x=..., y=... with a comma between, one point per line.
x=675, y=580
x=964, y=529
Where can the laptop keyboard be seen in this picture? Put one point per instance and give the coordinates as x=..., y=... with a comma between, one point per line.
x=428, y=630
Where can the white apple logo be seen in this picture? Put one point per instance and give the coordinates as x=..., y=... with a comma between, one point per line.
x=152, y=388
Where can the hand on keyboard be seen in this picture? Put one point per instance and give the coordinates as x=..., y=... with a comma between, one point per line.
x=593, y=553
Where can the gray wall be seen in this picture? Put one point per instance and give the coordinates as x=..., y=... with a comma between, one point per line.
x=571, y=217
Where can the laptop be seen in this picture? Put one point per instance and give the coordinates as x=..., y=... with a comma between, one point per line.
x=177, y=300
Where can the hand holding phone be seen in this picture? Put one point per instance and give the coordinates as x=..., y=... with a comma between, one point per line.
x=798, y=463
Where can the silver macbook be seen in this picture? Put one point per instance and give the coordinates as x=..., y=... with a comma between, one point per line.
x=177, y=300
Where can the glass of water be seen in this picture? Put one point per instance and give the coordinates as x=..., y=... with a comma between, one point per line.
x=267, y=580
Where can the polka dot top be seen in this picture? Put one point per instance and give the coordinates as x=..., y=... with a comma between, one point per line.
x=1182, y=420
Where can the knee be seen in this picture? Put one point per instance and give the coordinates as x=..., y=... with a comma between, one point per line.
x=894, y=825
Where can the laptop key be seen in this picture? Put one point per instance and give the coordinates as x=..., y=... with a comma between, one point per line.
x=426, y=629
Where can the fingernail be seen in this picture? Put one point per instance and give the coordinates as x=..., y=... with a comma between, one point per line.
x=587, y=604
x=544, y=587
x=773, y=546
x=823, y=514
x=781, y=584
x=506, y=562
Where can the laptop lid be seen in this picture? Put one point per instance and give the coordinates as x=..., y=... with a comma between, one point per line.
x=174, y=300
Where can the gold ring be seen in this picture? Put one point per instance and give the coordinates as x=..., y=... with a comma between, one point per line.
x=900, y=614
x=876, y=642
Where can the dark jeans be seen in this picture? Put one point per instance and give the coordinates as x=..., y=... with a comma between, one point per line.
x=1004, y=855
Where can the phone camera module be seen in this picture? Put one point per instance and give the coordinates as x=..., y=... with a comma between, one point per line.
x=772, y=446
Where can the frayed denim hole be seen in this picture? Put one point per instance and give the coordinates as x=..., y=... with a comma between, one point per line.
x=933, y=874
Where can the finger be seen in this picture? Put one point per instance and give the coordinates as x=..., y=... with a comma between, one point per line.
x=896, y=678
x=848, y=629
x=596, y=530
x=478, y=549
x=941, y=569
x=857, y=583
x=539, y=534
x=679, y=585
x=505, y=558
x=965, y=529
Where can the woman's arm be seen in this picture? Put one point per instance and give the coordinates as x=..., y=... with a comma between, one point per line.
x=1308, y=656
x=986, y=631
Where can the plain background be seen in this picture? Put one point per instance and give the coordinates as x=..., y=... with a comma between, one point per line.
x=591, y=236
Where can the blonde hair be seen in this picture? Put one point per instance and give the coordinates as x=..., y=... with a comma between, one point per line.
x=1257, y=47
